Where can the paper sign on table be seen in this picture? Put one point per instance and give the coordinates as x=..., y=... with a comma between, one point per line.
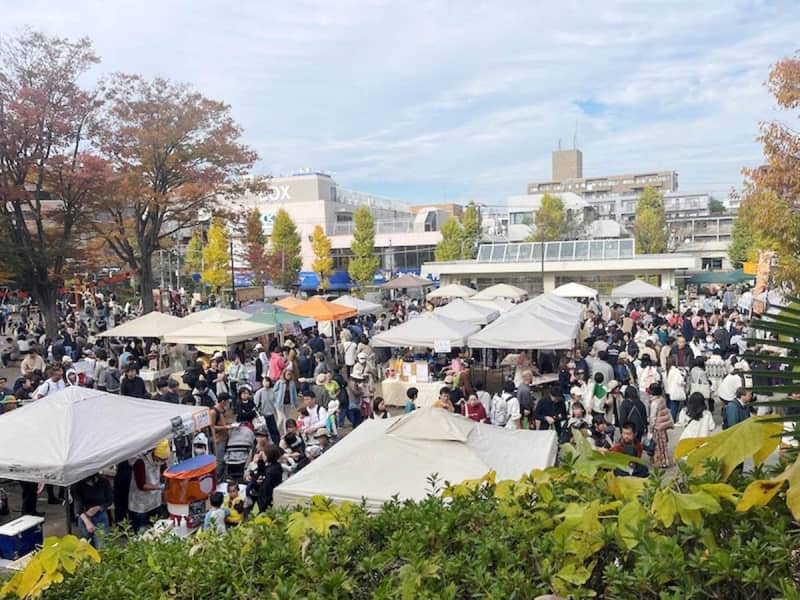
x=441, y=346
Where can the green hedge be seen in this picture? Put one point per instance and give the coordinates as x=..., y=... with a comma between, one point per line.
x=580, y=535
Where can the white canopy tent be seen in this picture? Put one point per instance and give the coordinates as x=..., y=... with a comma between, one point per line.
x=525, y=330
x=575, y=290
x=453, y=290
x=425, y=330
x=499, y=304
x=67, y=436
x=412, y=447
x=219, y=332
x=552, y=308
x=639, y=289
x=152, y=325
x=217, y=314
x=501, y=290
x=362, y=306
x=274, y=292
x=467, y=312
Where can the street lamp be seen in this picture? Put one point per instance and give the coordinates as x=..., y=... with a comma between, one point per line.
x=233, y=279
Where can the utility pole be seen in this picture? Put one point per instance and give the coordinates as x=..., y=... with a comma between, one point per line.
x=161, y=266
x=233, y=279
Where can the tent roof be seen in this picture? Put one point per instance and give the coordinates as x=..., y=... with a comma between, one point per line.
x=259, y=306
x=288, y=302
x=153, y=324
x=500, y=304
x=407, y=280
x=525, y=330
x=468, y=312
x=412, y=447
x=501, y=290
x=321, y=310
x=575, y=290
x=552, y=308
x=274, y=292
x=79, y=431
x=218, y=333
x=720, y=277
x=453, y=290
x=639, y=289
x=276, y=316
x=362, y=306
x=216, y=314
x=425, y=330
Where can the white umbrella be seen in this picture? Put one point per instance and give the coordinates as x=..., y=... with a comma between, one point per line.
x=426, y=330
x=468, y=312
x=501, y=290
x=362, y=306
x=575, y=290
x=453, y=290
x=153, y=324
x=639, y=289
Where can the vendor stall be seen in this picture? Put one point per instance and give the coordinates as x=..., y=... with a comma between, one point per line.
x=501, y=290
x=639, y=289
x=468, y=312
x=428, y=330
x=393, y=391
x=362, y=306
x=152, y=325
x=454, y=290
x=218, y=333
x=575, y=290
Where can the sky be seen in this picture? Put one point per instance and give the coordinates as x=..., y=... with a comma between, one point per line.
x=445, y=101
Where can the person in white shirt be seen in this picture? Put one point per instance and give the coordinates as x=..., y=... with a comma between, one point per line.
x=54, y=384
x=317, y=415
x=499, y=411
x=697, y=420
x=483, y=397
x=512, y=407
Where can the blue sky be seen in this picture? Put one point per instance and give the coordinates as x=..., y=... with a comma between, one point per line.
x=447, y=101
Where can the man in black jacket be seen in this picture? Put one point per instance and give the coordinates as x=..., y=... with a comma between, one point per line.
x=132, y=385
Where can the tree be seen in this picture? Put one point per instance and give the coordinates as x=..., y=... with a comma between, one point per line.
x=742, y=246
x=47, y=176
x=323, y=261
x=216, y=256
x=650, y=224
x=452, y=237
x=256, y=246
x=174, y=152
x=551, y=220
x=365, y=262
x=471, y=223
x=772, y=191
x=715, y=207
x=285, y=247
x=193, y=256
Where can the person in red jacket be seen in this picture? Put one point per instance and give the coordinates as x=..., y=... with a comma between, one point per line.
x=474, y=410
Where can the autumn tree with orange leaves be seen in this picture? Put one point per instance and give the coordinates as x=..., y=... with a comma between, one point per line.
x=769, y=209
x=173, y=152
x=48, y=176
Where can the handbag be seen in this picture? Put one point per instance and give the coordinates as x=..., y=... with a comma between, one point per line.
x=260, y=422
x=649, y=446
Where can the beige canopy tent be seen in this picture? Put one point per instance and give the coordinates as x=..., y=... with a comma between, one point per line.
x=639, y=289
x=468, y=312
x=411, y=448
x=501, y=290
x=575, y=290
x=453, y=290
x=217, y=314
x=363, y=307
x=406, y=280
x=426, y=330
x=152, y=325
x=219, y=332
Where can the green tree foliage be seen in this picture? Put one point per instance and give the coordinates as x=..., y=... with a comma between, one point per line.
x=742, y=246
x=576, y=530
x=550, y=219
x=323, y=260
x=471, y=236
x=716, y=207
x=364, y=263
x=216, y=256
x=452, y=237
x=285, y=245
x=193, y=257
x=256, y=246
x=650, y=226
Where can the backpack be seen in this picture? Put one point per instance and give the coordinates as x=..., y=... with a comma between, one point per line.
x=204, y=399
x=637, y=417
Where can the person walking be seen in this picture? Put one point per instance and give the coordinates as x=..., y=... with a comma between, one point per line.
x=659, y=423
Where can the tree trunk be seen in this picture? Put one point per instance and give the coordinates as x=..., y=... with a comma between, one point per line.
x=45, y=294
x=146, y=284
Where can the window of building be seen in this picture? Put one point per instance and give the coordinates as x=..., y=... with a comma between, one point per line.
x=521, y=218
x=711, y=264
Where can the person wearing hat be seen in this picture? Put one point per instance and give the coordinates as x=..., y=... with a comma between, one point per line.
x=262, y=361
x=200, y=444
x=323, y=438
x=144, y=497
x=8, y=403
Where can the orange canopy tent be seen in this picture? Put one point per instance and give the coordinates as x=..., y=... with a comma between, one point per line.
x=320, y=309
x=288, y=302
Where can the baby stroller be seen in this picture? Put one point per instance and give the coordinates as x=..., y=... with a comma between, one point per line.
x=241, y=441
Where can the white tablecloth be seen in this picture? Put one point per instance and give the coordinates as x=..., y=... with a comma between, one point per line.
x=150, y=377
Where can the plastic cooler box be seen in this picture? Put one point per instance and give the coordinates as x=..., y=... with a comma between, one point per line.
x=20, y=536
x=190, y=483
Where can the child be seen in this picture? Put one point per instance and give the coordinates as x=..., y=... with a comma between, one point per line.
x=330, y=422
x=215, y=518
x=233, y=505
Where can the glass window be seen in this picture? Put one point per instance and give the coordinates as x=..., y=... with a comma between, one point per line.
x=626, y=248
x=485, y=252
x=551, y=251
x=537, y=251
x=581, y=250
x=612, y=249
x=525, y=251
x=499, y=252
x=567, y=250
x=521, y=218
x=596, y=249
x=512, y=255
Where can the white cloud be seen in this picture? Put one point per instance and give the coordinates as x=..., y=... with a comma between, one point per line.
x=459, y=96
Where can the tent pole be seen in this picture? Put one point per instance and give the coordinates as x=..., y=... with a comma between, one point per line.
x=67, y=507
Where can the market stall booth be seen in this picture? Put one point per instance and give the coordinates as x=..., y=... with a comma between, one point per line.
x=501, y=290
x=453, y=290
x=362, y=306
x=575, y=290
x=411, y=448
x=639, y=289
x=468, y=312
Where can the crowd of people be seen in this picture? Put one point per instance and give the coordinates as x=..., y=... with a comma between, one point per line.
x=639, y=376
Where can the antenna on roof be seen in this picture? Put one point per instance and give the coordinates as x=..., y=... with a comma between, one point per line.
x=575, y=136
